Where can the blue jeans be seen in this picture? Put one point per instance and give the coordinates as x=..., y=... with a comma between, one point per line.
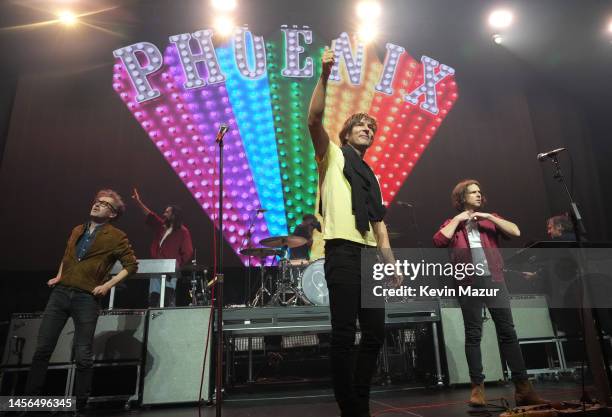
x=84, y=308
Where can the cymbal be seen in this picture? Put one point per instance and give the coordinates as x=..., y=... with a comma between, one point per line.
x=260, y=252
x=280, y=241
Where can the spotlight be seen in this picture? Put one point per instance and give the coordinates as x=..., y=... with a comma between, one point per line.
x=67, y=18
x=367, y=32
x=610, y=27
x=500, y=19
x=224, y=5
x=498, y=39
x=224, y=26
x=367, y=10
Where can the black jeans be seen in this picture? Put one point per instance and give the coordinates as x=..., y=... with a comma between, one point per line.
x=84, y=308
x=351, y=381
x=499, y=308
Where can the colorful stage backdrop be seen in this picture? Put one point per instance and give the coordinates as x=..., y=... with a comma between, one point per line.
x=261, y=89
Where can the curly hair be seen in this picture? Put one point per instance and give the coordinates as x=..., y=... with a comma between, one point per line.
x=562, y=220
x=458, y=194
x=350, y=123
x=118, y=206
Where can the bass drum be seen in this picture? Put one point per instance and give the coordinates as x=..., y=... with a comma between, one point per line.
x=314, y=284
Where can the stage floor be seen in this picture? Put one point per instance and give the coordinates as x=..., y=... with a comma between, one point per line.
x=385, y=402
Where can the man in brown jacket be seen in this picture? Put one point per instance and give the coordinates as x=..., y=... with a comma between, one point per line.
x=92, y=250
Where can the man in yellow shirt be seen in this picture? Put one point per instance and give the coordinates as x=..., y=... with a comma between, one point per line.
x=353, y=212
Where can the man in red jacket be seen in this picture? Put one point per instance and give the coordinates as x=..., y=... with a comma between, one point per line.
x=473, y=237
x=172, y=241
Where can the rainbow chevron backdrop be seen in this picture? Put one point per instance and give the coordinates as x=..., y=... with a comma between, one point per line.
x=269, y=159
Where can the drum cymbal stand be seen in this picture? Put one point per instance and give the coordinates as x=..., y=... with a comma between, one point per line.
x=262, y=291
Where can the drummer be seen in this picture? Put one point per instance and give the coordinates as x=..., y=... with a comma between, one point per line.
x=305, y=230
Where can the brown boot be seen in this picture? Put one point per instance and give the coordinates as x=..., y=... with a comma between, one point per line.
x=477, y=397
x=524, y=394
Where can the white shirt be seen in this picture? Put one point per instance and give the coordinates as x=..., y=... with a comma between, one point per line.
x=168, y=231
x=478, y=255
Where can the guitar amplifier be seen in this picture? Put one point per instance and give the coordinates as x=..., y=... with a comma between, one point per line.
x=454, y=346
x=177, y=339
x=22, y=337
x=531, y=317
x=119, y=336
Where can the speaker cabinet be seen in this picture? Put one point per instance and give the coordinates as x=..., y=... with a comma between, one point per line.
x=176, y=341
x=454, y=346
x=531, y=317
x=119, y=336
x=22, y=337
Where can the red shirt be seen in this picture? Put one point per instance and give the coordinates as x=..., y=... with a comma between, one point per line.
x=177, y=245
x=460, y=245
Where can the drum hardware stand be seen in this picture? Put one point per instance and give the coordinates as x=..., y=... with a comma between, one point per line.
x=262, y=291
x=245, y=244
x=194, y=281
x=193, y=291
x=289, y=285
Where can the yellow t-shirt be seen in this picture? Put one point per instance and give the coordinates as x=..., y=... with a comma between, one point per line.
x=317, y=250
x=338, y=218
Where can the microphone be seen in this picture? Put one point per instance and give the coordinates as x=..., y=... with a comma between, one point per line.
x=261, y=210
x=404, y=204
x=542, y=156
x=222, y=131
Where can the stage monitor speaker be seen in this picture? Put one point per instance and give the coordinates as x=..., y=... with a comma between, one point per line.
x=531, y=317
x=119, y=336
x=454, y=346
x=22, y=337
x=176, y=341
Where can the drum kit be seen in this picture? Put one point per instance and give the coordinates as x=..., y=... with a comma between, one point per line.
x=298, y=282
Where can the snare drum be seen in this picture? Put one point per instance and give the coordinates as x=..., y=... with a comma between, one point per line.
x=314, y=284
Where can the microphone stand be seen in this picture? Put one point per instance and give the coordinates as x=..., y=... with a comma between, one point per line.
x=219, y=289
x=577, y=220
x=592, y=348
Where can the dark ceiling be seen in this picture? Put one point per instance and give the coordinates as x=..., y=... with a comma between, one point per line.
x=564, y=41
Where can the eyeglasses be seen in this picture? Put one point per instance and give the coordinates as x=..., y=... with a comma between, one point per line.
x=105, y=204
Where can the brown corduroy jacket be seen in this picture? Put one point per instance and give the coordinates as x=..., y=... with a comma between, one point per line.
x=110, y=245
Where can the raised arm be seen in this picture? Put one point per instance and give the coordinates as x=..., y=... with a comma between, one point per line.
x=136, y=197
x=320, y=138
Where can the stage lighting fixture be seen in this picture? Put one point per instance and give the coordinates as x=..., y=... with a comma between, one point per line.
x=610, y=26
x=224, y=26
x=367, y=10
x=498, y=39
x=224, y=5
x=367, y=32
x=501, y=19
x=66, y=17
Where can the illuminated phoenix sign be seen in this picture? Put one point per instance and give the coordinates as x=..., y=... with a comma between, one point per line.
x=261, y=89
